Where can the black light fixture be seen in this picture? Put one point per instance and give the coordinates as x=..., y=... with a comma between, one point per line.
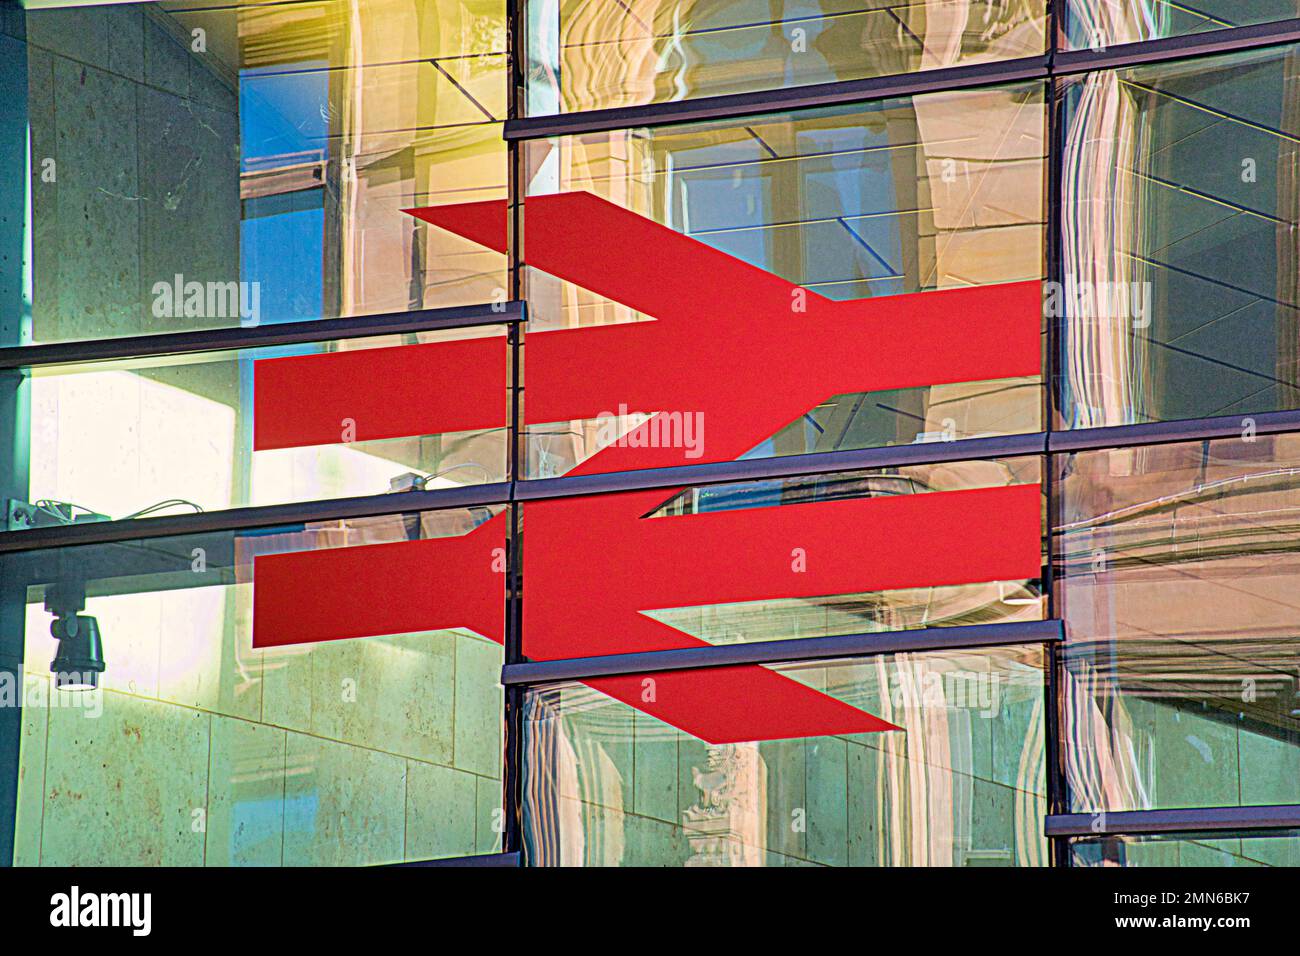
x=80, y=658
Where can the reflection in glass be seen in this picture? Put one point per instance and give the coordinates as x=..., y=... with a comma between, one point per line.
x=1097, y=24
x=586, y=54
x=344, y=753
x=960, y=783
x=269, y=147
x=940, y=191
x=1177, y=572
x=119, y=438
x=1260, y=848
x=1179, y=241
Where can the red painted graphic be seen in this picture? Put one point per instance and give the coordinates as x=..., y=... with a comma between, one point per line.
x=742, y=348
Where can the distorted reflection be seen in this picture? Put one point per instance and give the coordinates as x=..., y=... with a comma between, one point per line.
x=1179, y=241
x=584, y=54
x=959, y=784
x=1178, y=567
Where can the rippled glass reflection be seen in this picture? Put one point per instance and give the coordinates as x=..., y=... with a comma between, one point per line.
x=959, y=783
x=1180, y=288
x=1097, y=24
x=1178, y=568
x=589, y=54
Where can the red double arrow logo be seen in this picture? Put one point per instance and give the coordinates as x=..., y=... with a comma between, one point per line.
x=743, y=351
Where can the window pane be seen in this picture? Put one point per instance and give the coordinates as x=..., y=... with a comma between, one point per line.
x=1280, y=848
x=789, y=238
x=1096, y=24
x=891, y=549
x=1179, y=241
x=588, y=55
x=204, y=750
x=269, y=147
x=1178, y=577
x=958, y=781
x=175, y=433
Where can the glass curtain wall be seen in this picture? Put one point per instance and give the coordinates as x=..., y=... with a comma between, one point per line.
x=979, y=365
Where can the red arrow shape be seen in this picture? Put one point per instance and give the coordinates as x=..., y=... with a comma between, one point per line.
x=845, y=547
x=783, y=363
x=785, y=360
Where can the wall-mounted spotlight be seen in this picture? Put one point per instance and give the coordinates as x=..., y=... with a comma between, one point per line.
x=80, y=657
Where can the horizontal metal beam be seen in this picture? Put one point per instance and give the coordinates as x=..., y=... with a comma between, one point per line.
x=1210, y=43
x=778, y=100
x=240, y=519
x=786, y=466
x=681, y=476
x=1158, y=433
x=797, y=649
x=1194, y=820
x=262, y=336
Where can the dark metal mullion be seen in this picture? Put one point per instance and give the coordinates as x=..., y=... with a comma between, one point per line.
x=15, y=422
x=1053, y=722
x=794, y=650
x=1188, y=821
x=265, y=516
x=513, y=697
x=261, y=336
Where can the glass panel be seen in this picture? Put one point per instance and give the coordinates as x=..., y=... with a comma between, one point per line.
x=128, y=438
x=203, y=750
x=850, y=210
x=1097, y=24
x=1178, y=573
x=1179, y=217
x=793, y=558
x=1279, y=848
x=957, y=781
x=268, y=147
x=584, y=54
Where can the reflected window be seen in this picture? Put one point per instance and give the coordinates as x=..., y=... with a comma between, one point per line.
x=1177, y=576
x=585, y=54
x=1179, y=252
